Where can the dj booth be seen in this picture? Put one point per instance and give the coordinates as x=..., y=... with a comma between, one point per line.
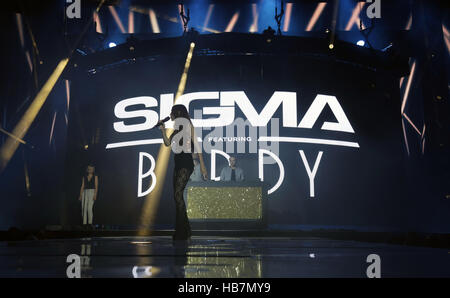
x=226, y=205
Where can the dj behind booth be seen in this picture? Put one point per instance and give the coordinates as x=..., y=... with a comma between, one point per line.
x=228, y=204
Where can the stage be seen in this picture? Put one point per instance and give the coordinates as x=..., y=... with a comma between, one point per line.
x=218, y=256
x=293, y=139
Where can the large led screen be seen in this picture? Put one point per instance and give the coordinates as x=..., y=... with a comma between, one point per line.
x=324, y=136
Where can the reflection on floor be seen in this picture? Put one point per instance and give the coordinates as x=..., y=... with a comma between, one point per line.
x=158, y=256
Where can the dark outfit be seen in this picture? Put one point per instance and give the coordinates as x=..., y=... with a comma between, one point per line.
x=184, y=166
x=89, y=184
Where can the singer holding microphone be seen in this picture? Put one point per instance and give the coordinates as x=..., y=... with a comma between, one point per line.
x=184, y=165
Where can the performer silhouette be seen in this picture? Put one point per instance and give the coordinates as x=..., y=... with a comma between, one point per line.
x=184, y=165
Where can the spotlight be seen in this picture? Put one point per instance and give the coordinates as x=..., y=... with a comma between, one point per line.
x=10, y=145
x=112, y=44
x=360, y=43
x=331, y=46
x=152, y=199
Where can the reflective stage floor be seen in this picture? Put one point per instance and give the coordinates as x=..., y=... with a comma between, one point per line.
x=157, y=256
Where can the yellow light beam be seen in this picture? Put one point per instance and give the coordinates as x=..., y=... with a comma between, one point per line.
x=11, y=144
x=12, y=136
x=287, y=19
x=412, y=124
x=30, y=63
x=152, y=200
x=130, y=22
x=404, y=136
x=254, y=26
x=408, y=85
x=355, y=16
x=232, y=22
x=169, y=18
x=446, y=37
x=208, y=15
x=116, y=18
x=408, y=25
x=154, y=21
x=98, y=25
x=67, y=94
x=20, y=29
x=211, y=30
x=52, y=129
x=316, y=15
x=27, y=176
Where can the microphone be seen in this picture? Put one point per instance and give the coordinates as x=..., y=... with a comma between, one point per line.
x=162, y=121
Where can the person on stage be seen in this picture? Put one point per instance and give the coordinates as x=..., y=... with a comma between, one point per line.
x=232, y=172
x=184, y=165
x=88, y=194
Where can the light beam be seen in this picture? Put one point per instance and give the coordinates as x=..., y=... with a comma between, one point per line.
x=319, y=9
x=11, y=144
x=152, y=200
x=232, y=22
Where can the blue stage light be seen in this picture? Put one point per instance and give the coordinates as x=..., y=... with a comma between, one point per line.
x=361, y=43
x=112, y=44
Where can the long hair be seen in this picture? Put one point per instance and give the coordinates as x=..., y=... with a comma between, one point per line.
x=88, y=166
x=180, y=111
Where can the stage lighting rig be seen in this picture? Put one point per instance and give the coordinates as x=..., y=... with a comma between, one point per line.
x=279, y=17
x=184, y=18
